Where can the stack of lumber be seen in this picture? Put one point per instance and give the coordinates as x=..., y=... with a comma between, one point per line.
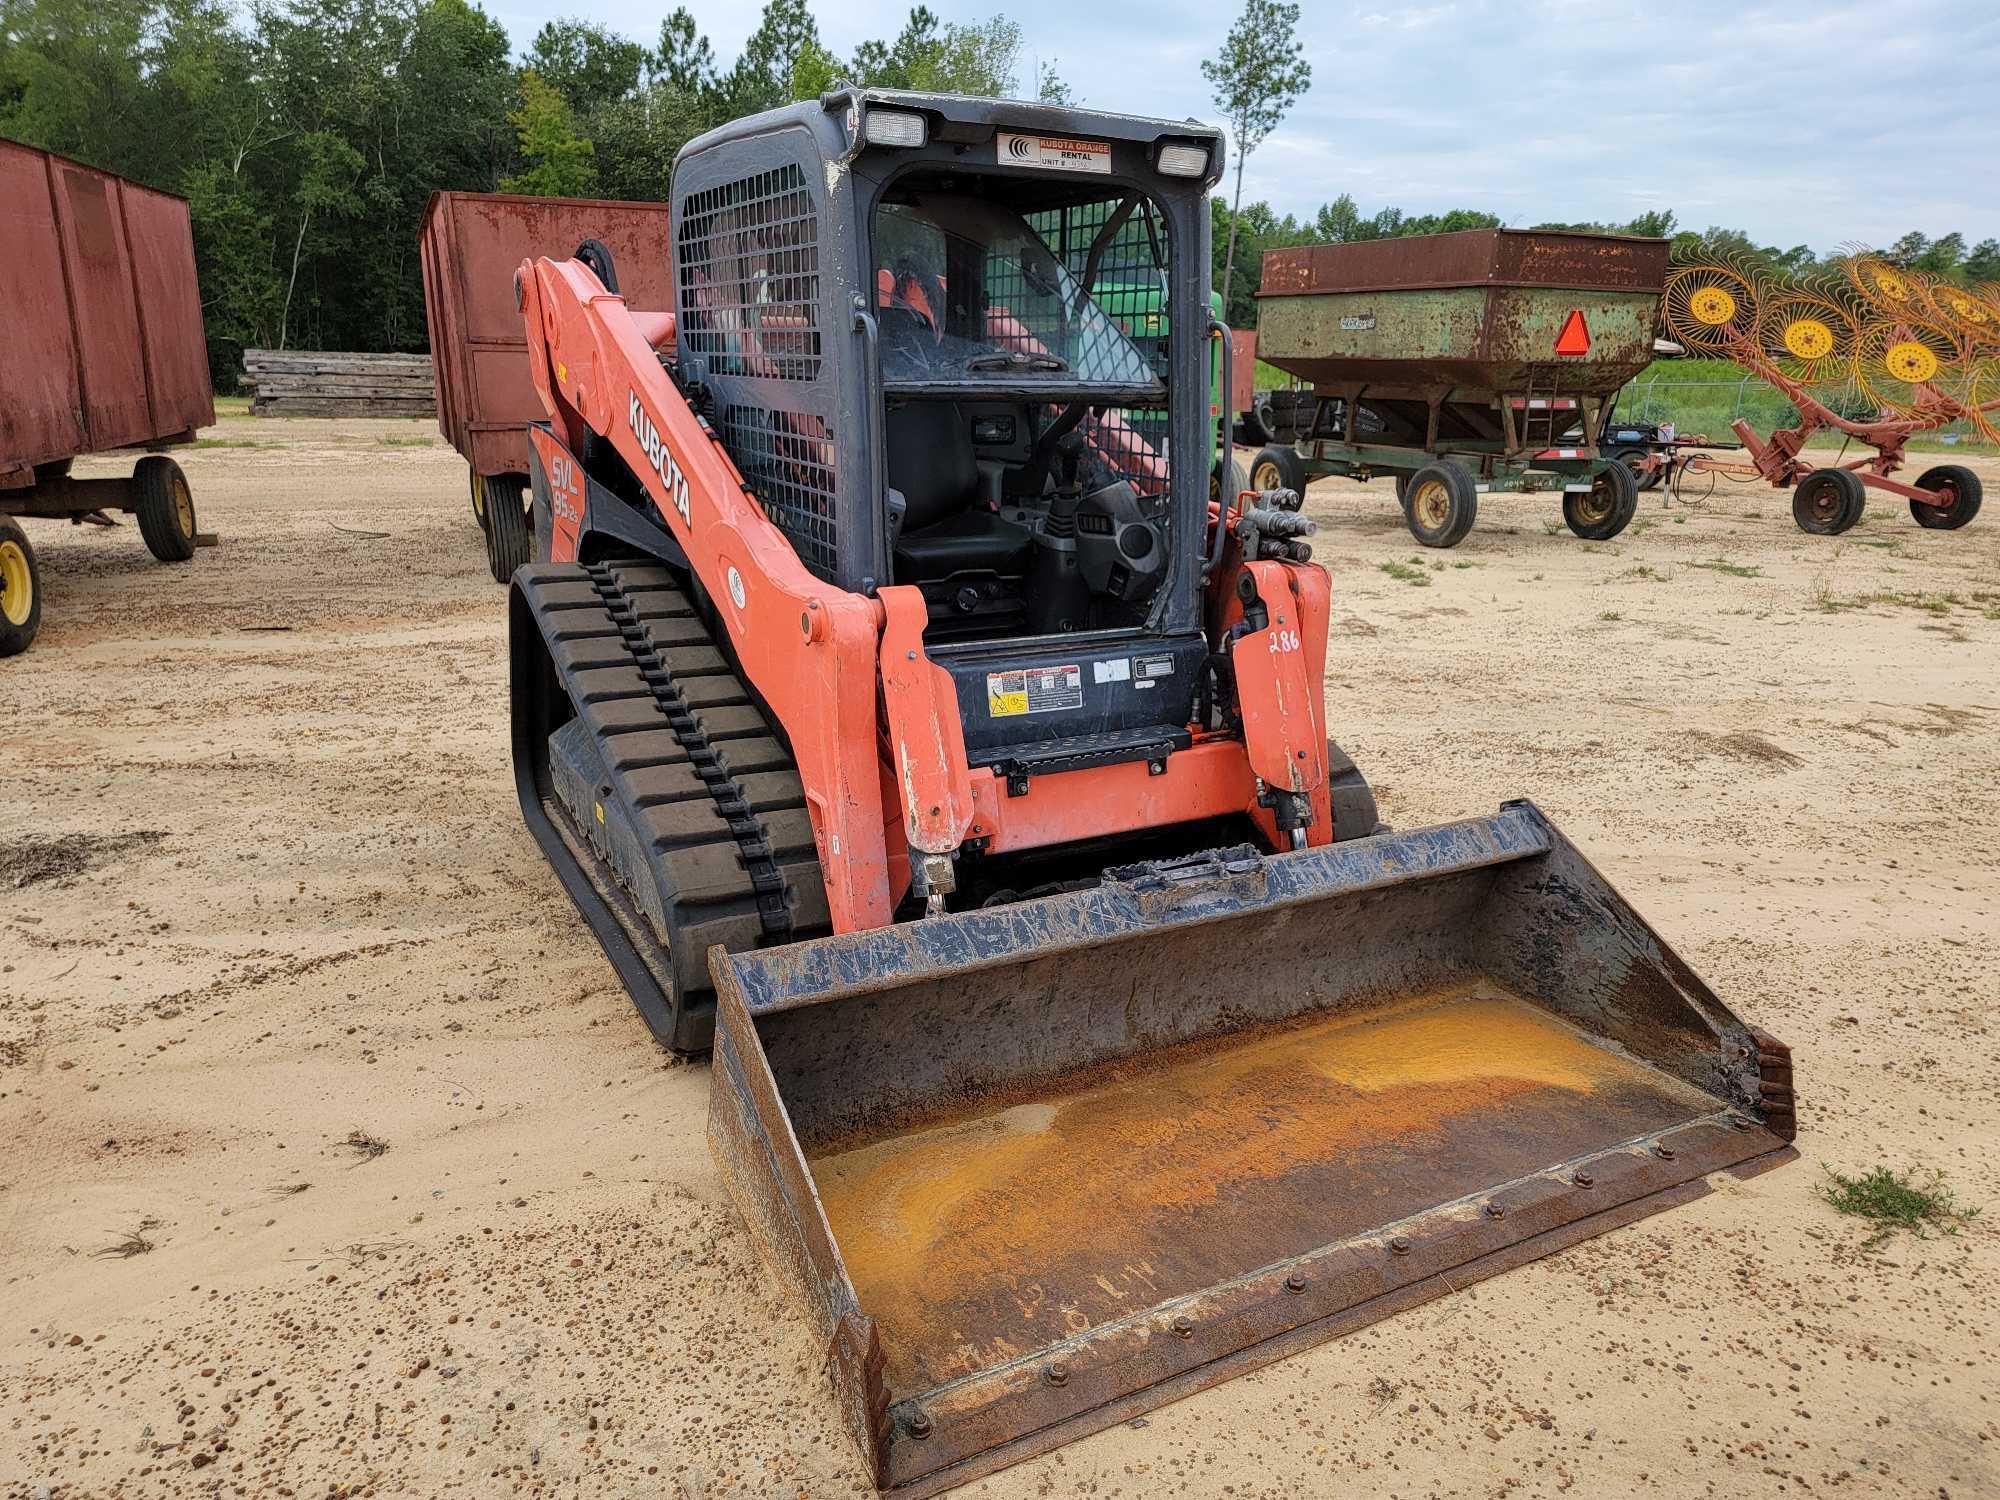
x=316, y=383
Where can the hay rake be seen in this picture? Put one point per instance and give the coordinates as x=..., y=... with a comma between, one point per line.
x=1915, y=352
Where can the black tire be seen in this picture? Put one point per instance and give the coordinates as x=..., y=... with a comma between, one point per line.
x=506, y=524
x=1267, y=416
x=20, y=589
x=1226, y=481
x=1403, y=489
x=1635, y=462
x=1354, y=812
x=1251, y=429
x=1829, y=501
x=165, y=507
x=1277, y=467
x=1440, y=505
x=478, y=499
x=1965, y=488
x=597, y=255
x=1607, y=508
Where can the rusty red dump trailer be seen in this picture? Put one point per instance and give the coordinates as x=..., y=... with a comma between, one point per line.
x=104, y=351
x=472, y=245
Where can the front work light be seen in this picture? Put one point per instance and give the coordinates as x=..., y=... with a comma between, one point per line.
x=895, y=127
x=1184, y=160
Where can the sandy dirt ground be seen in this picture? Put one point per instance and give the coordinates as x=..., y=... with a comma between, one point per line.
x=266, y=905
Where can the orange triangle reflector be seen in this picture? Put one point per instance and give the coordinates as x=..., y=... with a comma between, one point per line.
x=1575, y=335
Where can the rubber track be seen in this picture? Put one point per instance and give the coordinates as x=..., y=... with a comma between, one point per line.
x=753, y=846
x=721, y=847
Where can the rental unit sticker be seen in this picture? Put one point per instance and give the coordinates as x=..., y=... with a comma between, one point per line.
x=1055, y=152
x=1035, y=690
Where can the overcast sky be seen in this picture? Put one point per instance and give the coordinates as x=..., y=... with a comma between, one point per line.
x=1796, y=121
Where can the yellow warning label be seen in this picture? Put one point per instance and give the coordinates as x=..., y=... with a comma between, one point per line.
x=1034, y=690
x=1006, y=694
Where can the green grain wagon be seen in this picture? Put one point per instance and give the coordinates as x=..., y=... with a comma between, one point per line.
x=1462, y=364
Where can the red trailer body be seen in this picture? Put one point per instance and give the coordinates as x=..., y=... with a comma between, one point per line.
x=472, y=245
x=97, y=289
x=105, y=350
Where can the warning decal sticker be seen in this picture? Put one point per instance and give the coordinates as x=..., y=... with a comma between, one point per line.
x=1056, y=152
x=1037, y=690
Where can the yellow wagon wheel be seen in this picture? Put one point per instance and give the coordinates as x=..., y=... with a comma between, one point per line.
x=1709, y=305
x=20, y=589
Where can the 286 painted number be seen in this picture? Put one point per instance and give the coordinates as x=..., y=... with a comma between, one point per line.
x=1284, y=640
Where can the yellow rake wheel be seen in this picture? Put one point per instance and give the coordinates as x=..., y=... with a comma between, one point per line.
x=1710, y=305
x=1808, y=336
x=1967, y=313
x=1885, y=288
x=1907, y=363
x=1982, y=400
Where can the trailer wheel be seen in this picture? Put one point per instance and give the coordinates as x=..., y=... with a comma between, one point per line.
x=1607, y=508
x=20, y=589
x=1278, y=467
x=1829, y=501
x=1634, y=460
x=1403, y=490
x=165, y=507
x=1226, y=482
x=1440, y=505
x=1965, y=490
x=506, y=524
x=478, y=499
x=597, y=255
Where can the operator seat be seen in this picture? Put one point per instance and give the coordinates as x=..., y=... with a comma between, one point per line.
x=947, y=525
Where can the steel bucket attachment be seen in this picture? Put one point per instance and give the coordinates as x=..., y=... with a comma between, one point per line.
x=1034, y=1169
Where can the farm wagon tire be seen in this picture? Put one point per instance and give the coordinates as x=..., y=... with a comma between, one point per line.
x=1226, y=482
x=1634, y=460
x=1965, y=485
x=597, y=255
x=506, y=524
x=1608, y=507
x=1441, y=505
x=1278, y=467
x=20, y=589
x=1829, y=501
x=165, y=507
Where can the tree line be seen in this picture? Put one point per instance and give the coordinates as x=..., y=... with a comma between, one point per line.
x=307, y=135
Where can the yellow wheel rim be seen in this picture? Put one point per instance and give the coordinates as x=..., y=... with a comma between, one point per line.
x=17, y=583
x=478, y=497
x=1809, y=338
x=1890, y=285
x=1264, y=477
x=1909, y=361
x=183, y=506
x=1968, y=309
x=1712, y=306
x=1431, y=504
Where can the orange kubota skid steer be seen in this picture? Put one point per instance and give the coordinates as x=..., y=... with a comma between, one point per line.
x=918, y=719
